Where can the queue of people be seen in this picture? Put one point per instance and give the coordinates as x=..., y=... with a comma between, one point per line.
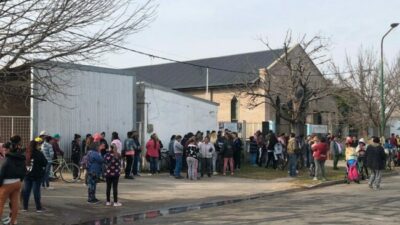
x=30, y=170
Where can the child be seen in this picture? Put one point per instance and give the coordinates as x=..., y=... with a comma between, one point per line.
x=112, y=173
x=95, y=163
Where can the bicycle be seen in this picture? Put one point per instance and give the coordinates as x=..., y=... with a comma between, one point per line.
x=66, y=170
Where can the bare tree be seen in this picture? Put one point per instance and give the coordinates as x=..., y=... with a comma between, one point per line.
x=361, y=95
x=34, y=32
x=293, y=82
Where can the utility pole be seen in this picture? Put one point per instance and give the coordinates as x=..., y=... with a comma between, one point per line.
x=382, y=88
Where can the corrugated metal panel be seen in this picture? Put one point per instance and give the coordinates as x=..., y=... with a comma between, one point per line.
x=96, y=102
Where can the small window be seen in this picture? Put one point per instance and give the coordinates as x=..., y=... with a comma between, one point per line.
x=234, y=109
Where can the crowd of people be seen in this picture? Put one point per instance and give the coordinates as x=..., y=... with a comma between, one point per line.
x=205, y=154
x=26, y=170
x=312, y=152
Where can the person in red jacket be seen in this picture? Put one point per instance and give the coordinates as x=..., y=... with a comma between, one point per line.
x=153, y=152
x=320, y=150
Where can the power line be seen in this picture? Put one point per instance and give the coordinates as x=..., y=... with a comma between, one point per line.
x=186, y=62
x=194, y=64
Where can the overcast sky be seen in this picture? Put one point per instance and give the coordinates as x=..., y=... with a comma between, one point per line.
x=193, y=29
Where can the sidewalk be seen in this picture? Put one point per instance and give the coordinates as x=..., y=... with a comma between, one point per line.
x=67, y=203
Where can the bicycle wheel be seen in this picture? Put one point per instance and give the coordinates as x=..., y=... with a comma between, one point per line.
x=67, y=172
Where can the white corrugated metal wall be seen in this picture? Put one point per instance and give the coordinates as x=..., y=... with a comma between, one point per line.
x=171, y=112
x=98, y=100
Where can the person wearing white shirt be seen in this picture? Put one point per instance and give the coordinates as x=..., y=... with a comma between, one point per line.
x=206, y=150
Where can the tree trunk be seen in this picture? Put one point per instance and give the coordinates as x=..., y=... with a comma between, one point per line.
x=298, y=128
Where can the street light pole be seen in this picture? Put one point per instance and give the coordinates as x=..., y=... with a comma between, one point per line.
x=382, y=88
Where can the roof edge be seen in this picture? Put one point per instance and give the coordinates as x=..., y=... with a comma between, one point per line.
x=199, y=59
x=90, y=68
x=147, y=84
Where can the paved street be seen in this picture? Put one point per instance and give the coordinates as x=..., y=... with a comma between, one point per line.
x=340, y=204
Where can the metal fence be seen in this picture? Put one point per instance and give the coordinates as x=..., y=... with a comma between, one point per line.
x=15, y=125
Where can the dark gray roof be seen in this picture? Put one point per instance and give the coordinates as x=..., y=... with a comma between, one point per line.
x=181, y=76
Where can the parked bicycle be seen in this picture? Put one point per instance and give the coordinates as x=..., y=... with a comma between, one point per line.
x=66, y=170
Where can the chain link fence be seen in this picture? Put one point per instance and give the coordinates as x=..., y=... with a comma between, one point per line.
x=15, y=125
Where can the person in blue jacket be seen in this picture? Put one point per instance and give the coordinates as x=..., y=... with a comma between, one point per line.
x=94, y=169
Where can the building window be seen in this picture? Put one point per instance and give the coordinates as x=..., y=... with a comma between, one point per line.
x=234, y=109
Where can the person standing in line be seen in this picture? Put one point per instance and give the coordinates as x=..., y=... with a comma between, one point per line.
x=56, y=147
x=88, y=142
x=292, y=155
x=350, y=151
x=253, y=150
x=361, y=148
x=336, y=150
x=95, y=165
x=159, y=156
x=237, y=151
x=129, y=153
x=178, y=151
x=37, y=167
x=138, y=153
x=112, y=173
x=207, y=150
x=320, y=149
x=153, y=147
x=192, y=159
x=76, y=153
x=272, y=140
x=227, y=153
x=375, y=157
x=83, y=146
x=48, y=152
x=171, y=155
x=12, y=172
x=115, y=140
x=103, y=140
x=219, y=145
x=213, y=140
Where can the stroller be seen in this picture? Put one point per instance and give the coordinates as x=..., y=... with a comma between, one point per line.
x=352, y=173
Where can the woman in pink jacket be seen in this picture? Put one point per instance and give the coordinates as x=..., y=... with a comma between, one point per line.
x=153, y=152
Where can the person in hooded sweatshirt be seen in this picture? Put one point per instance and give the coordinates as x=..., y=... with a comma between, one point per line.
x=48, y=152
x=12, y=173
x=33, y=179
x=375, y=157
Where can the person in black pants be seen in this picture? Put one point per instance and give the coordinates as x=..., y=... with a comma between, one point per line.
x=237, y=151
x=33, y=179
x=129, y=152
x=113, y=170
x=171, y=154
x=138, y=151
x=270, y=150
x=76, y=153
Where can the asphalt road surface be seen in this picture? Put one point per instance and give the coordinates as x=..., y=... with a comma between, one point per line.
x=339, y=204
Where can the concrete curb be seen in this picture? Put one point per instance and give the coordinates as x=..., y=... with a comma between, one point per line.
x=151, y=214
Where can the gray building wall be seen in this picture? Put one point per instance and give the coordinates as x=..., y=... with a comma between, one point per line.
x=93, y=100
